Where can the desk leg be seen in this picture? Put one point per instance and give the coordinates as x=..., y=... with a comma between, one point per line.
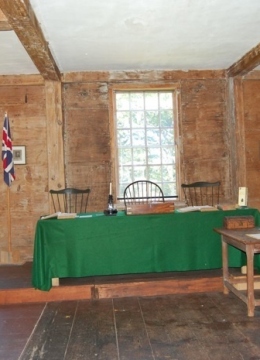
x=250, y=280
x=225, y=264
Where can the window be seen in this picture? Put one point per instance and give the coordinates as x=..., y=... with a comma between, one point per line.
x=145, y=132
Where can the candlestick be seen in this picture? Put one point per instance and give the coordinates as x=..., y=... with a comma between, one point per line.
x=110, y=207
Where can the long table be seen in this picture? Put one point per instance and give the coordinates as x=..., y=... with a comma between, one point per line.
x=130, y=244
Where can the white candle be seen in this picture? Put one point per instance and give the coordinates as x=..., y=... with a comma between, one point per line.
x=110, y=189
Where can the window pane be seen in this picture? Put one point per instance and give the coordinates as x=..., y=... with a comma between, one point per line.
x=153, y=137
x=166, y=118
x=154, y=172
x=125, y=173
x=151, y=100
x=167, y=172
x=123, y=137
x=138, y=137
x=122, y=101
x=152, y=118
x=125, y=156
x=139, y=156
x=123, y=119
x=169, y=188
x=165, y=100
x=136, y=101
x=137, y=118
x=139, y=173
x=154, y=156
x=167, y=137
x=168, y=155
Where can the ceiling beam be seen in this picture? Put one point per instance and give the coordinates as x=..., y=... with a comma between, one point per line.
x=4, y=25
x=247, y=63
x=21, y=17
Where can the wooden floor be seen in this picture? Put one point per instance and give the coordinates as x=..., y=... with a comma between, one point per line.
x=180, y=326
x=200, y=326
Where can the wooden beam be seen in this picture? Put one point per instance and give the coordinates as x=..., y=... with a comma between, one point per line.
x=14, y=80
x=247, y=63
x=240, y=133
x=114, y=288
x=142, y=75
x=54, y=123
x=23, y=21
x=4, y=25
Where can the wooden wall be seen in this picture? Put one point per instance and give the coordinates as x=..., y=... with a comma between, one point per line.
x=202, y=117
x=205, y=122
x=87, y=139
x=251, y=111
x=25, y=105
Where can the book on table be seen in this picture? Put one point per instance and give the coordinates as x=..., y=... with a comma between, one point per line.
x=59, y=215
x=197, y=208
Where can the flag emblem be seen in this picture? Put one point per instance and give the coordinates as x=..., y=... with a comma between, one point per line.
x=7, y=153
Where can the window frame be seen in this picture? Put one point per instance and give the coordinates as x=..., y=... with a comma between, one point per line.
x=113, y=88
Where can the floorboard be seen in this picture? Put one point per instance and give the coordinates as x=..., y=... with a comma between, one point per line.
x=122, y=323
x=208, y=326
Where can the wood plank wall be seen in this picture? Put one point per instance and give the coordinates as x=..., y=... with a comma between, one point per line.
x=206, y=124
x=25, y=104
x=251, y=96
x=202, y=121
x=87, y=140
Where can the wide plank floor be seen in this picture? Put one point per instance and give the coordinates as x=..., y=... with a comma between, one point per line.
x=179, y=326
x=210, y=326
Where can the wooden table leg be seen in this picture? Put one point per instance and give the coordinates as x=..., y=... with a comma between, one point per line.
x=225, y=264
x=250, y=280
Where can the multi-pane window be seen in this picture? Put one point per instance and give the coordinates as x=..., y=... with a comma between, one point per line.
x=145, y=136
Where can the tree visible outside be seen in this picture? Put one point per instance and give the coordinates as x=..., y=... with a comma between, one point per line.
x=146, y=139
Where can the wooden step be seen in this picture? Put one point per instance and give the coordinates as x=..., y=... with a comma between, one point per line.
x=114, y=287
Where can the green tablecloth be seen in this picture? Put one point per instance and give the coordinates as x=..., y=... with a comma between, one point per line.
x=107, y=245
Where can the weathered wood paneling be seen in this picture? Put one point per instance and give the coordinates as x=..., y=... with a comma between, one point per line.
x=21, y=80
x=28, y=193
x=205, y=153
x=55, y=146
x=251, y=99
x=206, y=128
x=87, y=140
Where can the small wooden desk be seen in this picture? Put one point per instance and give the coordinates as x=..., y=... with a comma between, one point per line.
x=240, y=240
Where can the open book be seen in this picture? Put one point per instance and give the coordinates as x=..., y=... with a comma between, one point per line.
x=197, y=208
x=59, y=215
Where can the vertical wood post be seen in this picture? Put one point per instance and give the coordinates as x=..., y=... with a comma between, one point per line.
x=240, y=133
x=55, y=148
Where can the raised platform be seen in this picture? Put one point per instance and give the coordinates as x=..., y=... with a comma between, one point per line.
x=15, y=285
